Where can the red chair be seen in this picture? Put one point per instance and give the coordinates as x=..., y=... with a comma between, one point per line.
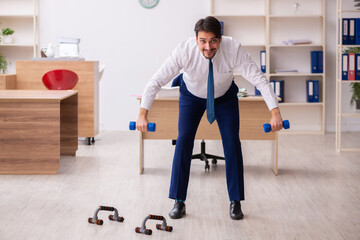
x=60, y=79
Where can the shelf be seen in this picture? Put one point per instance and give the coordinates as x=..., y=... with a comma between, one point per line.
x=253, y=45
x=16, y=45
x=349, y=81
x=349, y=11
x=340, y=115
x=239, y=16
x=350, y=149
x=295, y=16
x=347, y=46
x=22, y=16
x=301, y=104
x=292, y=74
x=350, y=115
x=295, y=45
x=17, y=16
x=264, y=25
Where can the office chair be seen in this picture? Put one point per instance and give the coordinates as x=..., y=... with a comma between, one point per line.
x=60, y=79
x=203, y=156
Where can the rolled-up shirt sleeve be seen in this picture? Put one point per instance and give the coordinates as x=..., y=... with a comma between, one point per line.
x=168, y=70
x=247, y=67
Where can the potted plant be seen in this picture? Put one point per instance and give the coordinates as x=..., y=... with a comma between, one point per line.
x=3, y=64
x=355, y=98
x=7, y=35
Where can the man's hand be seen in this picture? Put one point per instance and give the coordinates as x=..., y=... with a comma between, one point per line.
x=276, y=121
x=142, y=121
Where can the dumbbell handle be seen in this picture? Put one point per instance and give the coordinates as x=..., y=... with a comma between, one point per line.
x=106, y=208
x=156, y=217
x=151, y=126
x=267, y=126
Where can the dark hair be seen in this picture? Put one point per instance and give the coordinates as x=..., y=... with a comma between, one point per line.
x=209, y=24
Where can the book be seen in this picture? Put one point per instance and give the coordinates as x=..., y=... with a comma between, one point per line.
x=169, y=92
x=299, y=41
x=285, y=70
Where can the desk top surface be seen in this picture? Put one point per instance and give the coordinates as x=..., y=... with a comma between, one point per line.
x=56, y=95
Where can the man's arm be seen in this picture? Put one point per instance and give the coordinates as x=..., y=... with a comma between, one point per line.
x=276, y=120
x=142, y=121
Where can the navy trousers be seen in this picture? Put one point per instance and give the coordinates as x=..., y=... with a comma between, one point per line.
x=191, y=110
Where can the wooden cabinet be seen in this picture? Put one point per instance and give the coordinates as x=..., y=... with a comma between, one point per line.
x=21, y=16
x=344, y=112
x=29, y=76
x=263, y=25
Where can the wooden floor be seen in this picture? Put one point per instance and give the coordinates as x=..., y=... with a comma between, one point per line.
x=315, y=196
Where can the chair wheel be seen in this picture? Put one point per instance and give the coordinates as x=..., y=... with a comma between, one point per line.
x=214, y=161
x=207, y=167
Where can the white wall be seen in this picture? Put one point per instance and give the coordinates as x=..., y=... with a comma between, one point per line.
x=133, y=42
x=130, y=40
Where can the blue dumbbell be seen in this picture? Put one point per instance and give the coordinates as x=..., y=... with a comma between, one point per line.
x=267, y=126
x=151, y=126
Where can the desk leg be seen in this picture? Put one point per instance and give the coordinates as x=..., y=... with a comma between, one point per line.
x=274, y=156
x=69, y=126
x=141, y=154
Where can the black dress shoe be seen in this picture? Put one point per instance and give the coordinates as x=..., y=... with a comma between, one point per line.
x=235, y=210
x=178, y=211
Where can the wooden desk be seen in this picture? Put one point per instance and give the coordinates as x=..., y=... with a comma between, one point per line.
x=7, y=81
x=29, y=76
x=253, y=114
x=37, y=126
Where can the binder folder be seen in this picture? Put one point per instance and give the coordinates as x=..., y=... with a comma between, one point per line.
x=345, y=31
x=320, y=61
x=272, y=82
x=357, y=31
x=263, y=61
x=351, y=75
x=222, y=27
x=351, y=31
x=357, y=66
x=257, y=92
x=314, y=61
x=345, y=67
x=279, y=89
x=312, y=90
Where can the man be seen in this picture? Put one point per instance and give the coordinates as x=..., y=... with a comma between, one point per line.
x=208, y=62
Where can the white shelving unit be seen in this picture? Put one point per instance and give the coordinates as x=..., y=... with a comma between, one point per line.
x=263, y=25
x=344, y=10
x=21, y=16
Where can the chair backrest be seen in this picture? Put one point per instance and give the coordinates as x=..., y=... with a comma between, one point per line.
x=177, y=81
x=60, y=79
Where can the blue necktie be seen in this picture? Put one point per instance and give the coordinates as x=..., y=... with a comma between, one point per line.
x=210, y=111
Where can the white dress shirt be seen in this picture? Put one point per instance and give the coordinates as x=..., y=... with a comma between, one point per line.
x=230, y=57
